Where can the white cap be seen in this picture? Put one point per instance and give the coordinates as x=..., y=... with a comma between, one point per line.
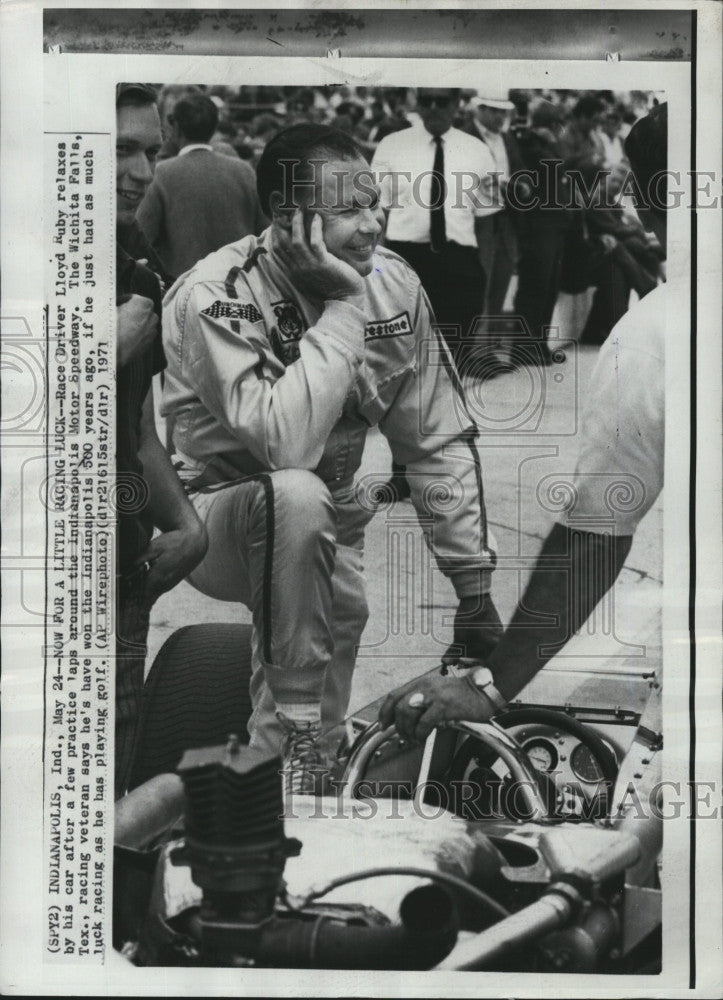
x=499, y=101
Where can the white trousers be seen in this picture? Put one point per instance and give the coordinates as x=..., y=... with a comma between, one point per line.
x=280, y=545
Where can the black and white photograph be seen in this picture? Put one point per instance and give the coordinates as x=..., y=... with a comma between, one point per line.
x=361, y=374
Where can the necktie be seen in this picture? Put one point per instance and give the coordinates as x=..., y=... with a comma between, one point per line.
x=437, y=192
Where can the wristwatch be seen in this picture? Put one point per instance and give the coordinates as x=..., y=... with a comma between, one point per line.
x=483, y=682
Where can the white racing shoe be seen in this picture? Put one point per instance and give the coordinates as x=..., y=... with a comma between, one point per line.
x=306, y=766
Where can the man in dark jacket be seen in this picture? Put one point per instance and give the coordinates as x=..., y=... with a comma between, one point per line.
x=540, y=196
x=199, y=200
x=623, y=257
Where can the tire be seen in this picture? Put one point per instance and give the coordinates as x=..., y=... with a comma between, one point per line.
x=196, y=694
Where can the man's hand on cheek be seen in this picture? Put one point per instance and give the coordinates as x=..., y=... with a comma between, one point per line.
x=312, y=269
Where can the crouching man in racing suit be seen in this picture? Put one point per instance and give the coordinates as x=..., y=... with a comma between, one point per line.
x=282, y=351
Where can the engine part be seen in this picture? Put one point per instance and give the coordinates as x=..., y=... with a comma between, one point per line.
x=235, y=844
x=236, y=849
x=551, y=912
x=590, y=855
x=427, y=932
x=482, y=899
x=579, y=948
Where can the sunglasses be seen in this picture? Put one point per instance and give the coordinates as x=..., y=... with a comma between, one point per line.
x=425, y=101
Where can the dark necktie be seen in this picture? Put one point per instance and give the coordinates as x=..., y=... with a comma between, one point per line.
x=437, y=192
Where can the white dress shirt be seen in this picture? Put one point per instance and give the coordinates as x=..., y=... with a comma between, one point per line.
x=496, y=144
x=409, y=156
x=614, y=149
x=194, y=145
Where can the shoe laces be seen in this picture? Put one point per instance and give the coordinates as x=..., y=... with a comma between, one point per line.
x=301, y=754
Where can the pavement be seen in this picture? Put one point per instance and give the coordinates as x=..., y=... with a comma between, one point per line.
x=530, y=424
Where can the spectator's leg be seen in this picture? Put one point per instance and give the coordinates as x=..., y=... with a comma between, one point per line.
x=610, y=302
x=504, y=263
x=536, y=279
x=464, y=283
x=537, y=291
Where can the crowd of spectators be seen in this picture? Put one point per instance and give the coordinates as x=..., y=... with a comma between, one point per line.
x=597, y=250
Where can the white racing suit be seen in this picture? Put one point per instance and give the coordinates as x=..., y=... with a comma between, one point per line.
x=270, y=396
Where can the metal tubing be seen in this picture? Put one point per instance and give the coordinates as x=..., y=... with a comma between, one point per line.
x=523, y=774
x=547, y=914
x=427, y=932
x=493, y=736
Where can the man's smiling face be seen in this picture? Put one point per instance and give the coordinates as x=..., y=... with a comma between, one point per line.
x=352, y=219
x=137, y=144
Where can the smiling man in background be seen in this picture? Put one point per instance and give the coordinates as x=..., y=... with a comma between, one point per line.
x=282, y=351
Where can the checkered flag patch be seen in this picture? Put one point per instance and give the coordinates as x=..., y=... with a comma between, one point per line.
x=233, y=310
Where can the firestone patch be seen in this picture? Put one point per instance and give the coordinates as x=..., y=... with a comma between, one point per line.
x=397, y=326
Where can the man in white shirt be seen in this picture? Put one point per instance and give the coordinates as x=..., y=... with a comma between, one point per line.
x=439, y=228
x=611, y=139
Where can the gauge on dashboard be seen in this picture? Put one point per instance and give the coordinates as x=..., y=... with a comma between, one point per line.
x=585, y=766
x=542, y=753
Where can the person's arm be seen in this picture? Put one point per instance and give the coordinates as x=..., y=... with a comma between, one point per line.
x=136, y=327
x=619, y=476
x=488, y=201
x=574, y=571
x=183, y=542
x=150, y=213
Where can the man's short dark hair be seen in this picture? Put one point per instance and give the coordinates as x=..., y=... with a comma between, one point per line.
x=297, y=145
x=136, y=95
x=196, y=117
x=646, y=146
x=588, y=107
